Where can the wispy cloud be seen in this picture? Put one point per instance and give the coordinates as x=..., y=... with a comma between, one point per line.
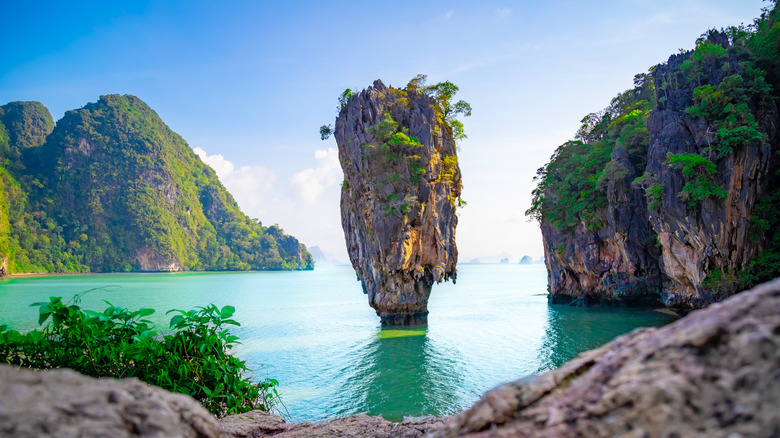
x=449, y=14
x=251, y=186
x=309, y=184
x=503, y=12
x=290, y=201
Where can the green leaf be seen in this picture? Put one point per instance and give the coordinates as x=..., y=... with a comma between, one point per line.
x=176, y=320
x=227, y=312
x=145, y=312
x=43, y=313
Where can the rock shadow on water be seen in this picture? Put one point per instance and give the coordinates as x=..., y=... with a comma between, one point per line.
x=572, y=330
x=401, y=373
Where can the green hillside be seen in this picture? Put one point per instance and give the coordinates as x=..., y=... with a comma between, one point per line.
x=112, y=188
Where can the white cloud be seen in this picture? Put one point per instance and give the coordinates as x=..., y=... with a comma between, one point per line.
x=291, y=201
x=448, y=14
x=249, y=185
x=503, y=12
x=309, y=184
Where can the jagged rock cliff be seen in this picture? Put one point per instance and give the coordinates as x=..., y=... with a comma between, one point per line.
x=616, y=263
x=697, y=239
x=599, y=246
x=401, y=186
x=657, y=199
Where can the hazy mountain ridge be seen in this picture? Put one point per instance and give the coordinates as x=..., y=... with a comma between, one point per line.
x=112, y=188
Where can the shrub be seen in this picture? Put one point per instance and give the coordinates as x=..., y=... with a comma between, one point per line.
x=699, y=171
x=344, y=98
x=192, y=358
x=726, y=109
x=655, y=194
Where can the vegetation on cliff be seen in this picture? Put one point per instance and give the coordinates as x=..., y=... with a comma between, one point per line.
x=191, y=357
x=698, y=180
x=402, y=186
x=572, y=188
x=112, y=188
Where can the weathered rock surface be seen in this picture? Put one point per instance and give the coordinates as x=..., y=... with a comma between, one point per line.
x=613, y=265
x=616, y=263
x=401, y=183
x=263, y=424
x=151, y=261
x=63, y=403
x=714, y=373
x=252, y=424
x=637, y=255
x=713, y=236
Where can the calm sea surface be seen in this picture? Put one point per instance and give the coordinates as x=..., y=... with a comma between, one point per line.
x=315, y=333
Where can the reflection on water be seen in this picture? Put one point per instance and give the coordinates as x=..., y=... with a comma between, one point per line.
x=400, y=376
x=573, y=330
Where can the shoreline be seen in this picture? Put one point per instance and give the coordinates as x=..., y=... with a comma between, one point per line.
x=69, y=274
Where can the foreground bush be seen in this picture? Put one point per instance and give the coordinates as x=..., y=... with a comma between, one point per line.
x=192, y=358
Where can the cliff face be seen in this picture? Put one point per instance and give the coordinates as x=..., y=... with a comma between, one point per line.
x=112, y=188
x=667, y=209
x=398, y=200
x=616, y=263
x=599, y=246
x=715, y=234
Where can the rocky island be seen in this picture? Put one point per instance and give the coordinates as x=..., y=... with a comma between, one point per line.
x=401, y=188
x=670, y=193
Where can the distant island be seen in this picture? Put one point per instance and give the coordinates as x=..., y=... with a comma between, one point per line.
x=322, y=258
x=110, y=188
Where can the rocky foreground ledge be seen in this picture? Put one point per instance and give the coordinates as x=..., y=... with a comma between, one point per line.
x=714, y=373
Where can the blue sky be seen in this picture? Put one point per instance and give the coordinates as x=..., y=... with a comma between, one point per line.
x=248, y=83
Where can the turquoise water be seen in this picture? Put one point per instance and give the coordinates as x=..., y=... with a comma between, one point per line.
x=315, y=333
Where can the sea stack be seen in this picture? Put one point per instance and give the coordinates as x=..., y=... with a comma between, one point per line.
x=401, y=187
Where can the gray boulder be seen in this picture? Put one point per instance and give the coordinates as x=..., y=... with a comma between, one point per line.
x=63, y=403
x=714, y=373
x=263, y=424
